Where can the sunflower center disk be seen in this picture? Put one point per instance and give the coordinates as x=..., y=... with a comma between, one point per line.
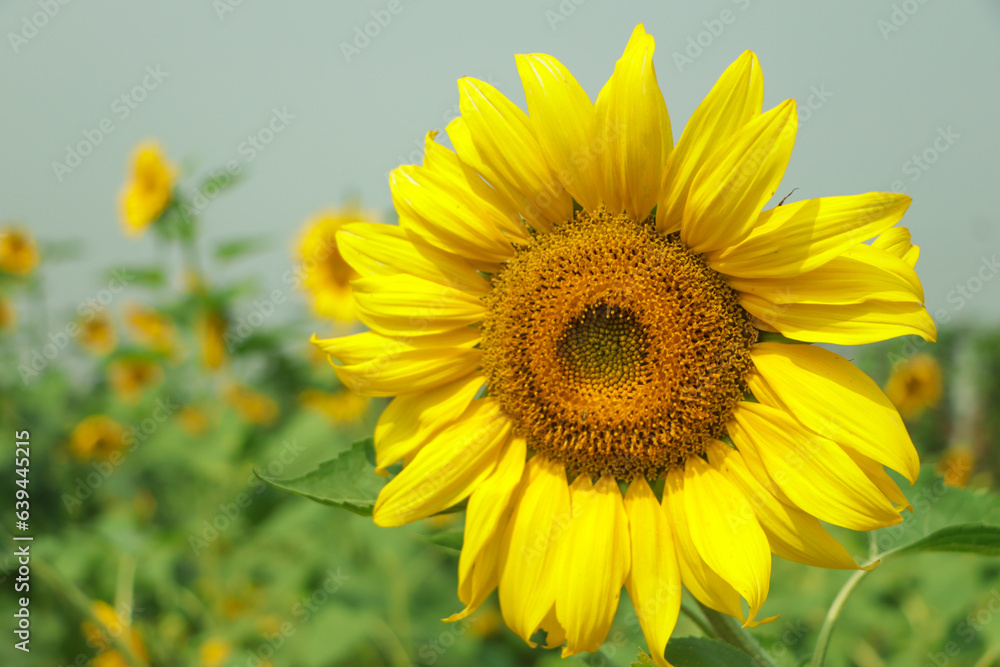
x=613, y=349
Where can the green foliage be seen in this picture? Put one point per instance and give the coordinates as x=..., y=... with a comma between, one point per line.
x=347, y=481
x=701, y=652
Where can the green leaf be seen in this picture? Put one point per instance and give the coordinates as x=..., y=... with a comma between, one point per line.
x=230, y=250
x=975, y=538
x=347, y=481
x=942, y=516
x=701, y=652
x=138, y=276
x=450, y=539
x=643, y=659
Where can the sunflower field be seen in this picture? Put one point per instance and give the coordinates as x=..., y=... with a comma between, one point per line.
x=589, y=385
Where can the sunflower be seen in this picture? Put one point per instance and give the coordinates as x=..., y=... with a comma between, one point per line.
x=150, y=328
x=97, y=335
x=577, y=319
x=252, y=406
x=211, y=327
x=97, y=437
x=130, y=377
x=149, y=190
x=8, y=314
x=325, y=274
x=112, y=626
x=340, y=407
x=18, y=251
x=915, y=385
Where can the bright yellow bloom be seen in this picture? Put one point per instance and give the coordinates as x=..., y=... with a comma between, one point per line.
x=254, y=407
x=148, y=190
x=325, y=273
x=112, y=626
x=341, y=407
x=97, y=335
x=606, y=288
x=211, y=327
x=130, y=377
x=214, y=652
x=18, y=251
x=915, y=385
x=97, y=437
x=8, y=316
x=152, y=329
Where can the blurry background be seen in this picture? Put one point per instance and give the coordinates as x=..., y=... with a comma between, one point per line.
x=197, y=563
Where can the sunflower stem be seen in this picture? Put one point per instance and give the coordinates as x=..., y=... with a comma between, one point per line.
x=729, y=630
x=705, y=628
x=826, y=630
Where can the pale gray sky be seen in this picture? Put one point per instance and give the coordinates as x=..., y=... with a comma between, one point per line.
x=888, y=80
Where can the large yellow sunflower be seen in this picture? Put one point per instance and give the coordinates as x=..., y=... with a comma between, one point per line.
x=569, y=316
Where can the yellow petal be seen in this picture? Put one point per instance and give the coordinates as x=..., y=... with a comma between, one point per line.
x=408, y=371
x=632, y=119
x=485, y=520
x=487, y=203
x=563, y=119
x=725, y=531
x=794, y=238
x=733, y=185
x=701, y=580
x=834, y=398
x=503, y=138
x=447, y=469
x=815, y=473
x=877, y=474
x=446, y=216
x=862, y=273
x=842, y=324
x=385, y=250
x=366, y=346
x=408, y=305
x=792, y=533
x=897, y=242
x=654, y=582
x=412, y=420
x=594, y=562
x=529, y=548
x=734, y=99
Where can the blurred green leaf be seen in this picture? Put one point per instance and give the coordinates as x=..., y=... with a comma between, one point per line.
x=976, y=538
x=237, y=248
x=138, y=276
x=701, y=652
x=347, y=481
x=450, y=539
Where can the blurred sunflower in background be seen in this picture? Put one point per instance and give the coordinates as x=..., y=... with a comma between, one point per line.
x=569, y=317
x=325, y=274
x=131, y=376
x=97, y=334
x=151, y=328
x=111, y=625
x=18, y=251
x=340, y=407
x=149, y=188
x=8, y=314
x=915, y=385
x=210, y=328
x=97, y=437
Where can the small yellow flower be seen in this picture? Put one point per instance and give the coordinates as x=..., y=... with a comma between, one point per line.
x=341, y=407
x=193, y=421
x=8, y=316
x=97, y=335
x=112, y=626
x=211, y=327
x=214, y=652
x=150, y=328
x=915, y=385
x=254, y=407
x=18, y=251
x=326, y=275
x=131, y=377
x=956, y=464
x=148, y=191
x=97, y=437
